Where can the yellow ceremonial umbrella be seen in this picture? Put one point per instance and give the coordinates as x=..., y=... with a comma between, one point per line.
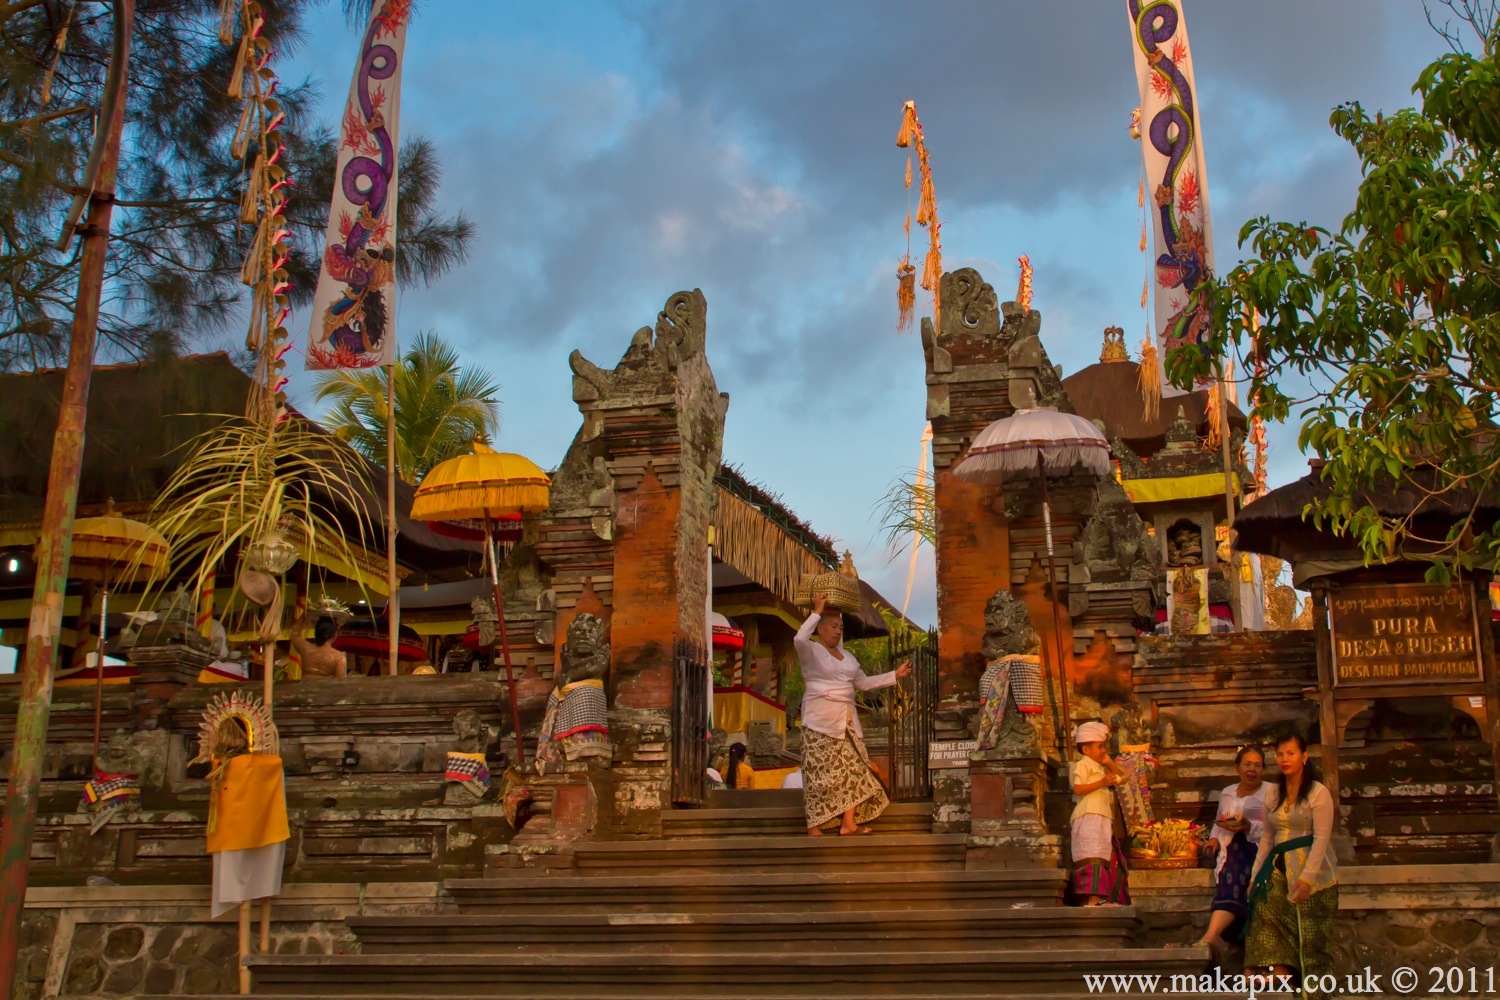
x=482, y=487
x=114, y=548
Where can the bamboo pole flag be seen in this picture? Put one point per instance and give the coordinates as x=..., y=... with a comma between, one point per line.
x=354, y=310
x=919, y=510
x=1172, y=151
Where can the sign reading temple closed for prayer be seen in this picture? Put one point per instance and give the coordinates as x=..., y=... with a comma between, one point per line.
x=1404, y=633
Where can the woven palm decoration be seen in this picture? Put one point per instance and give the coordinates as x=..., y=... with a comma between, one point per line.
x=229, y=720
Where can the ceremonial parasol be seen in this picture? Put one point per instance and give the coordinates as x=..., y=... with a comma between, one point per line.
x=115, y=548
x=486, y=486
x=1039, y=442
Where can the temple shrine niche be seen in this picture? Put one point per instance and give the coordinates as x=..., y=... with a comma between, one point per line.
x=1171, y=469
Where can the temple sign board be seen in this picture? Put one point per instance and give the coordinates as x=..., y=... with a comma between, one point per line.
x=1404, y=633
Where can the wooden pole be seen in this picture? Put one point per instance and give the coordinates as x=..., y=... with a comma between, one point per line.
x=54, y=547
x=392, y=603
x=99, y=677
x=510, y=677
x=1057, y=629
x=1232, y=571
x=244, y=947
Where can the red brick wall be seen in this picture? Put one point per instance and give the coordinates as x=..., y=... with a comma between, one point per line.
x=645, y=619
x=973, y=561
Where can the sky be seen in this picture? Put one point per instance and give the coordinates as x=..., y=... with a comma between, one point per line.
x=611, y=154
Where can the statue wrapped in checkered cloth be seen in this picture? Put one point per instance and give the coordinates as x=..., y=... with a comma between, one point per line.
x=576, y=726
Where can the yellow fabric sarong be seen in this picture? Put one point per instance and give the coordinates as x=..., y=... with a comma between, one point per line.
x=247, y=804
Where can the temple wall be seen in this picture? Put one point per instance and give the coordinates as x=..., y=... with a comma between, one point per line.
x=1390, y=917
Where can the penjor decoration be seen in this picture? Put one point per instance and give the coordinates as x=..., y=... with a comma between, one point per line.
x=354, y=310
x=1172, y=151
x=932, y=266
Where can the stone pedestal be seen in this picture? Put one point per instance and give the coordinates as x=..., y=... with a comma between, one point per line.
x=639, y=783
x=1008, y=828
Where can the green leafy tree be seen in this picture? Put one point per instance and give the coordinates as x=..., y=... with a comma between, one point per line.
x=441, y=407
x=177, y=242
x=1393, y=319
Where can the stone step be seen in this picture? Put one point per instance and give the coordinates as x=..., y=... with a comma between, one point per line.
x=770, y=853
x=768, y=931
x=853, y=971
x=652, y=995
x=782, y=820
x=808, y=892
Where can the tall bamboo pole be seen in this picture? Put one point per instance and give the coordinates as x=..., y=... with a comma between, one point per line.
x=392, y=605
x=1232, y=571
x=54, y=548
x=1057, y=629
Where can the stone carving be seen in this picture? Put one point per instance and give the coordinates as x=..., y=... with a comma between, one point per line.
x=119, y=755
x=1007, y=627
x=1130, y=726
x=970, y=307
x=1184, y=544
x=1181, y=435
x=483, y=611
x=471, y=734
x=765, y=741
x=577, y=722
x=1132, y=466
x=585, y=655
x=1116, y=544
x=173, y=625
x=681, y=327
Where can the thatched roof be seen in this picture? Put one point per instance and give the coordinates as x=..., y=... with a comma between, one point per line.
x=1274, y=524
x=762, y=539
x=140, y=417
x=1110, y=392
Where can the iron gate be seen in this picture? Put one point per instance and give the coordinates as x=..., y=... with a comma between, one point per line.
x=911, y=717
x=690, y=723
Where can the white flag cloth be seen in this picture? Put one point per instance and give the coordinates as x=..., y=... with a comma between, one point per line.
x=1176, y=175
x=354, y=311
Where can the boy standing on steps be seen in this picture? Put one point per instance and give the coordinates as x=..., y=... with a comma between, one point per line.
x=1100, y=873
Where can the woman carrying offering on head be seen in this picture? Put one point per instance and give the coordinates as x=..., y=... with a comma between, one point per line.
x=319, y=658
x=1294, y=893
x=1100, y=873
x=1235, y=838
x=838, y=782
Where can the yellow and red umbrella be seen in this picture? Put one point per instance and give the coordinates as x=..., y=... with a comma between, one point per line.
x=487, y=487
x=114, y=548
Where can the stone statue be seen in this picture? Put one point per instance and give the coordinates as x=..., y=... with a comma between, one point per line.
x=1013, y=677
x=1116, y=544
x=482, y=609
x=471, y=734
x=576, y=725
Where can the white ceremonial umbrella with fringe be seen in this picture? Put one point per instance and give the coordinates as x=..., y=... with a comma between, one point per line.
x=1040, y=442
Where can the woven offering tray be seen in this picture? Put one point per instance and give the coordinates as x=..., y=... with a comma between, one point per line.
x=1159, y=864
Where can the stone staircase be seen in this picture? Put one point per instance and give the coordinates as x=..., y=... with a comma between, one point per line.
x=739, y=902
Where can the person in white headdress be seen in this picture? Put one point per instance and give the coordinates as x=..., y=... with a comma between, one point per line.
x=1100, y=873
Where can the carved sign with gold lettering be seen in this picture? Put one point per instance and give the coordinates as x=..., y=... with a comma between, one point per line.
x=1404, y=633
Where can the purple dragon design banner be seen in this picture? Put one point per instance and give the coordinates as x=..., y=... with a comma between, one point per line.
x=1176, y=172
x=354, y=311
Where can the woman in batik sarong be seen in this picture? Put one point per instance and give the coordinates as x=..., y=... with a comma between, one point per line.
x=1100, y=873
x=1235, y=838
x=839, y=785
x=1294, y=893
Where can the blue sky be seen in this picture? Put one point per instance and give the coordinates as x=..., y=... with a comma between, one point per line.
x=613, y=153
